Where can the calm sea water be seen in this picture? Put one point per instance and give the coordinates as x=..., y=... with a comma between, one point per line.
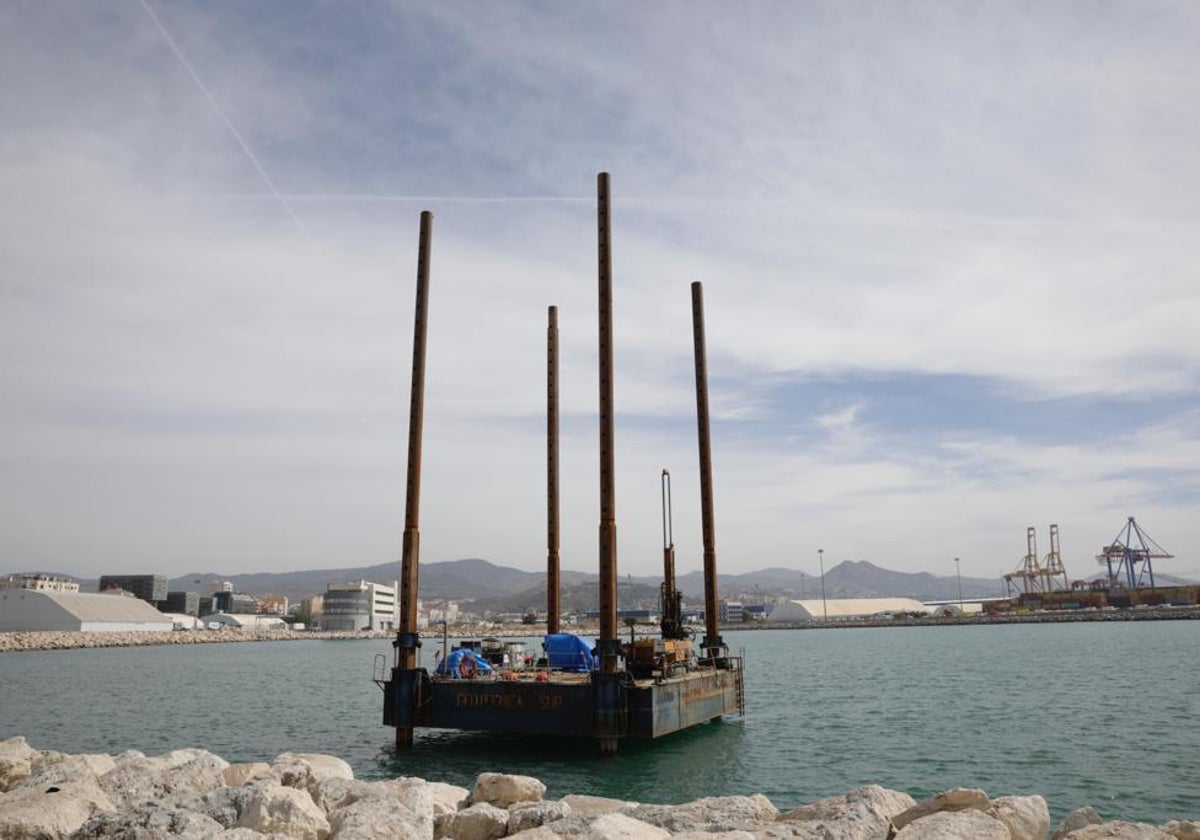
x=1103, y=714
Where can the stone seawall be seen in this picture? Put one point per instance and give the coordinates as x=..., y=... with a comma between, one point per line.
x=62, y=640
x=192, y=793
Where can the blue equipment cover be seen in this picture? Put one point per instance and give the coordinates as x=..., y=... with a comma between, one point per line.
x=452, y=664
x=568, y=652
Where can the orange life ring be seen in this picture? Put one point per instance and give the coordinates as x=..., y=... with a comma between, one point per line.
x=467, y=668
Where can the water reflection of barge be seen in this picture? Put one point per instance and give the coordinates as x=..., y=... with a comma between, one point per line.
x=644, y=688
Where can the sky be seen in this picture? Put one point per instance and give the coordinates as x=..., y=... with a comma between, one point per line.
x=949, y=255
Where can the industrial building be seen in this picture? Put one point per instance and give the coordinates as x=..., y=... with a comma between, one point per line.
x=228, y=601
x=816, y=609
x=360, y=605
x=39, y=581
x=184, y=603
x=150, y=588
x=26, y=610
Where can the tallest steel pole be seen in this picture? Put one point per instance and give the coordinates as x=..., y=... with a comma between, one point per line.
x=407, y=639
x=552, y=495
x=713, y=645
x=609, y=643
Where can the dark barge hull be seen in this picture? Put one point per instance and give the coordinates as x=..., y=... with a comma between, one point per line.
x=588, y=706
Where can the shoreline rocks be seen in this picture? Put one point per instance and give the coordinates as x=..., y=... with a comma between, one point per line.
x=192, y=793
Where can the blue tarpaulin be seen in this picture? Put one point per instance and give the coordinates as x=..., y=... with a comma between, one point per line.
x=453, y=663
x=568, y=652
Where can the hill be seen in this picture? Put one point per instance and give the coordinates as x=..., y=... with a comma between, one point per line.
x=505, y=589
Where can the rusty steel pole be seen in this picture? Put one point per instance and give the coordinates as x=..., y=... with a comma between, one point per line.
x=712, y=643
x=552, y=535
x=609, y=643
x=407, y=639
x=668, y=543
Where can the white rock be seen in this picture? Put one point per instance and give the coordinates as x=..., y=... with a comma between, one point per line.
x=334, y=793
x=582, y=805
x=539, y=833
x=236, y=775
x=621, y=827
x=1077, y=819
x=710, y=835
x=526, y=815
x=1119, y=830
x=1183, y=830
x=177, y=774
x=417, y=797
x=52, y=769
x=502, y=789
x=375, y=818
x=305, y=770
x=285, y=810
x=227, y=805
x=958, y=799
x=711, y=814
x=480, y=821
x=447, y=799
x=148, y=820
x=15, y=758
x=955, y=825
x=862, y=814
x=57, y=811
x=1027, y=817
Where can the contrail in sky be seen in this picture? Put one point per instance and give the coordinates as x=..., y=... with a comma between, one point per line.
x=232, y=129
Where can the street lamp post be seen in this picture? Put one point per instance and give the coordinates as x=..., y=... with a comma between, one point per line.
x=958, y=573
x=824, y=603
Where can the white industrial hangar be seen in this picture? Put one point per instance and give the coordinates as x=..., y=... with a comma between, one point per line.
x=25, y=610
x=815, y=609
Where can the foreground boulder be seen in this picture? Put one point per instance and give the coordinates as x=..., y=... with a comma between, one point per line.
x=1027, y=817
x=146, y=821
x=954, y=825
x=712, y=814
x=1182, y=830
x=480, y=821
x=53, y=768
x=526, y=815
x=285, y=810
x=377, y=818
x=137, y=778
x=862, y=814
x=15, y=758
x=51, y=811
x=622, y=827
x=958, y=799
x=502, y=789
x=1119, y=830
x=1075, y=820
x=306, y=770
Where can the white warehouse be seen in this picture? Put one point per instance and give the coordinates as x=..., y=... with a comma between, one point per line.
x=28, y=610
x=815, y=609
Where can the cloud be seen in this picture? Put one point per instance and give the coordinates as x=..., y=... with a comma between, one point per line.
x=947, y=264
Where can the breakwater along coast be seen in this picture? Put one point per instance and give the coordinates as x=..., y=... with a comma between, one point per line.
x=68, y=640
x=192, y=793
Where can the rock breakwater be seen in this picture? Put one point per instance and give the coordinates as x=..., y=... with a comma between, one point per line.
x=64, y=640
x=192, y=793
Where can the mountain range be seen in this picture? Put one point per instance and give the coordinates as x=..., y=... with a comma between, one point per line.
x=505, y=589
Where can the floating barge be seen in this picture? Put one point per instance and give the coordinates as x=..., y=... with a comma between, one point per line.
x=644, y=688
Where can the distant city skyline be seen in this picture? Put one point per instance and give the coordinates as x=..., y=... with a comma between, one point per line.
x=948, y=252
